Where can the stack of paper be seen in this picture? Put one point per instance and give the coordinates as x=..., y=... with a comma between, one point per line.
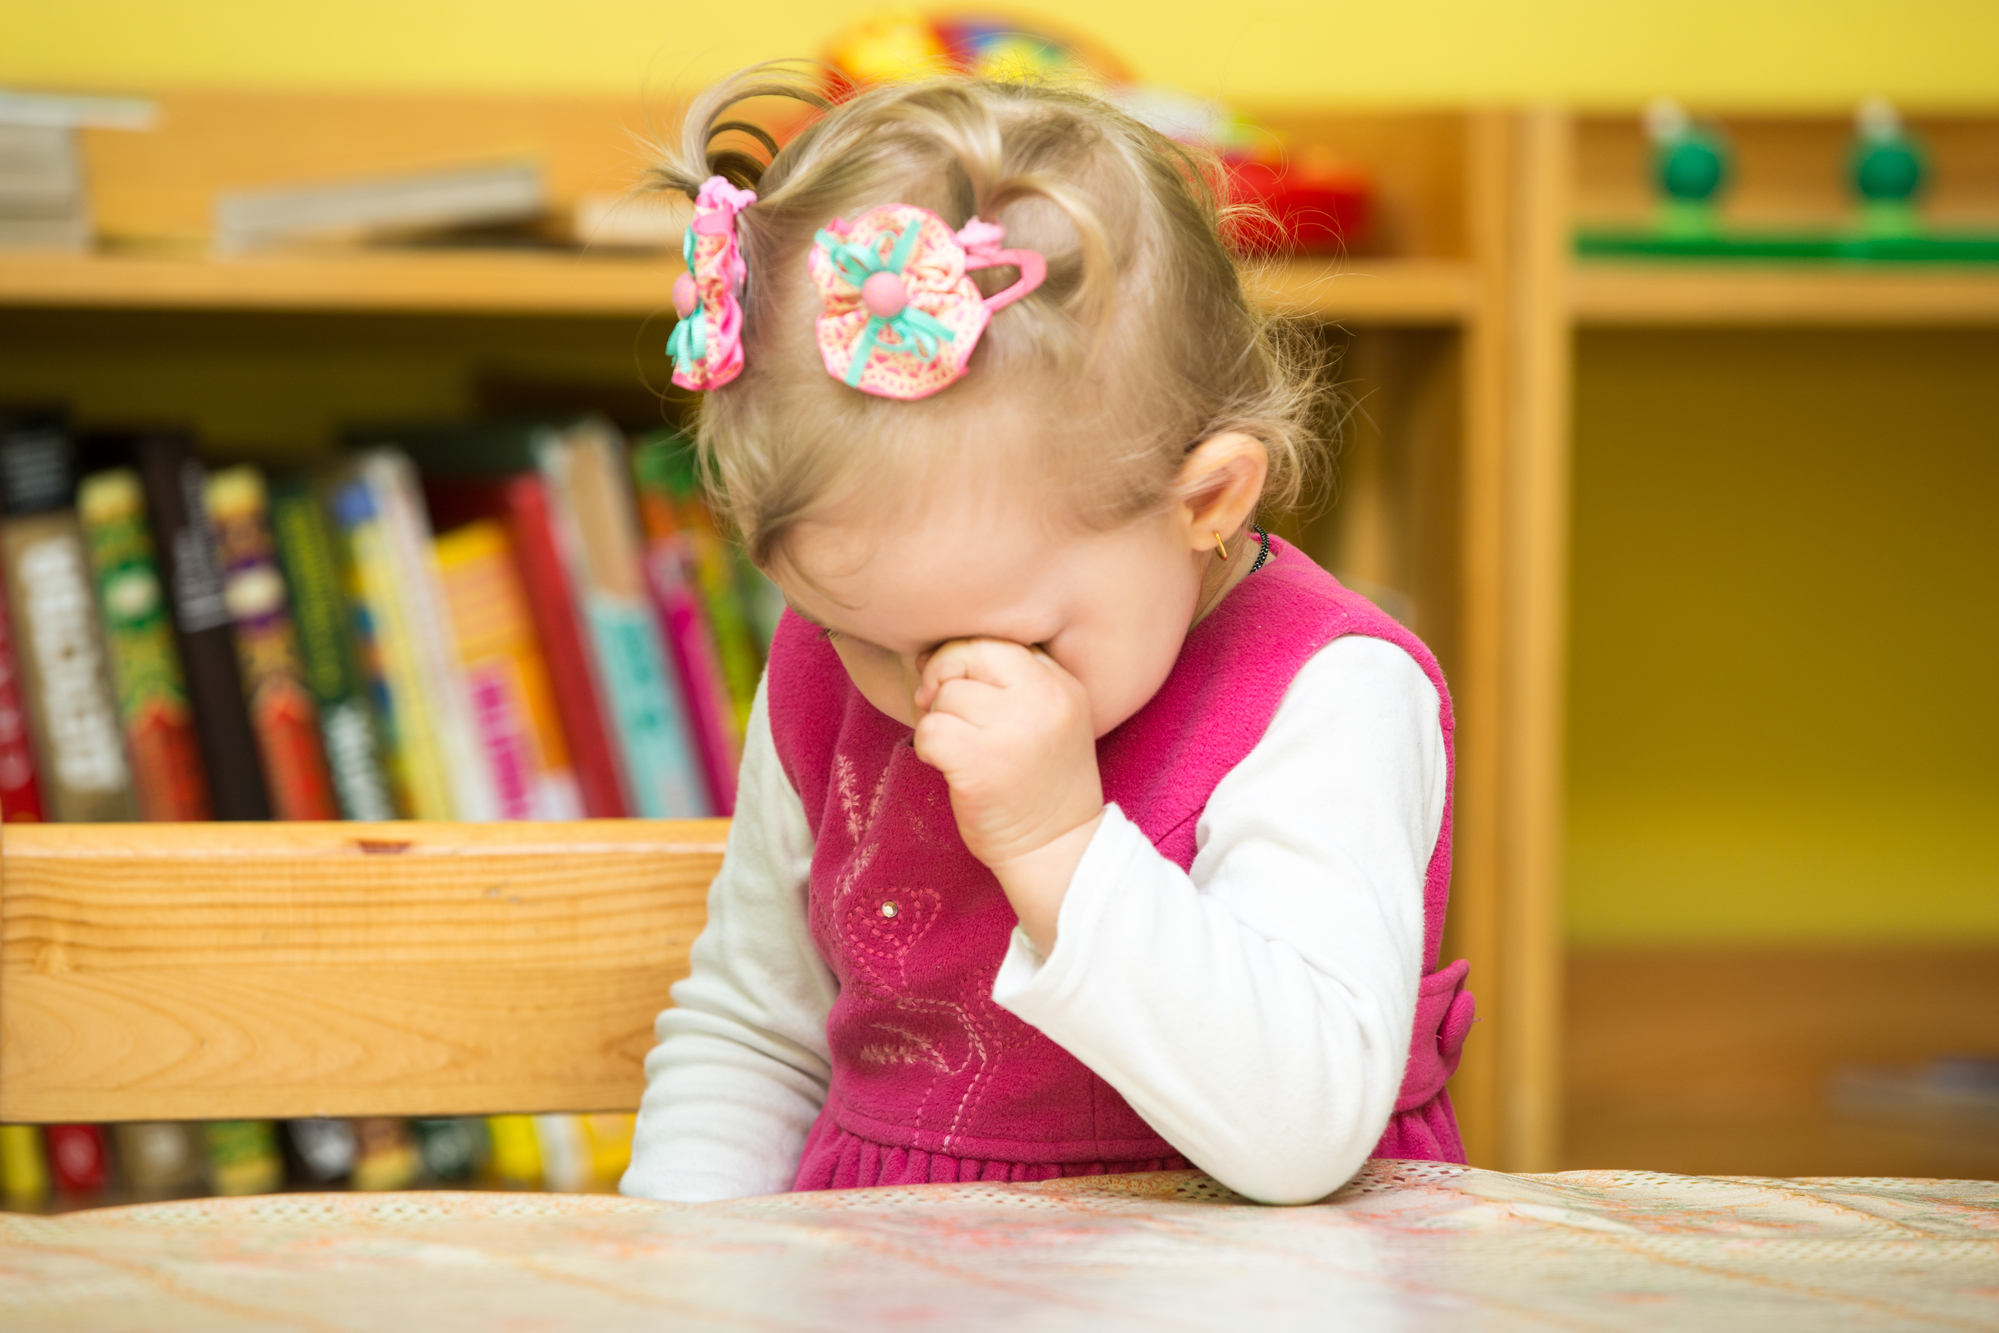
x=44, y=195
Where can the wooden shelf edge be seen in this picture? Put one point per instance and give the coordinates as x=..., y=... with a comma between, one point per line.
x=1370, y=291
x=408, y=282
x=1613, y=294
x=1414, y=292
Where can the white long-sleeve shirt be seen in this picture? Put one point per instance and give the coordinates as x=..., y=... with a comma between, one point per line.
x=1256, y=1010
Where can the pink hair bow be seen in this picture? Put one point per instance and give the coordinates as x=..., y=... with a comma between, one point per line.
x=707, y=343
x=901, y=316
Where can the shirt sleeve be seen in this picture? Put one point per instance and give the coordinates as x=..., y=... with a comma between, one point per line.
x=1257, y=1011
x=741, y=1067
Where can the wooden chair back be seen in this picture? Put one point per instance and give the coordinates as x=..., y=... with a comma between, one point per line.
x=218, y=971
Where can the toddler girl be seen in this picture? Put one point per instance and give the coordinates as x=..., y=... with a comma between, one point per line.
x=1082, y=825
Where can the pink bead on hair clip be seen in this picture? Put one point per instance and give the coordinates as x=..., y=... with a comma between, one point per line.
x=901, y=315
x=707, y=343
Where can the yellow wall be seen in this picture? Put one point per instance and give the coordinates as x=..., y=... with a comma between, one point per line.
x=1609, y=52
x=1785, y=620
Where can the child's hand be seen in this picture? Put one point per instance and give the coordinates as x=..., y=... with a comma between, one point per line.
x=1011, y=732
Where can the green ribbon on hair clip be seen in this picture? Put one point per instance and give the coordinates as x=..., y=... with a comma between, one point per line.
x=688, y=343
x=913, y=329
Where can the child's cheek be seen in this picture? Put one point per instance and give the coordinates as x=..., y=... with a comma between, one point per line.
x=881, y=679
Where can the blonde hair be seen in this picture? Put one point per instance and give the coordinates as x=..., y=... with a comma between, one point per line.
x=1139, y=345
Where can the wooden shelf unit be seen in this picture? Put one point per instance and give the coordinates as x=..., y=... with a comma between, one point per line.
x=1718, y=1059
x=1437, y=499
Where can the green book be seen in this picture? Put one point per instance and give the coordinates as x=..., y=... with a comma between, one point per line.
x=323, y=622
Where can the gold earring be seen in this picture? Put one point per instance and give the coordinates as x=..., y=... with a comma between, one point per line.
x=1219, y=547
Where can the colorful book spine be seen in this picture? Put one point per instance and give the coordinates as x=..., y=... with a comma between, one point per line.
x=666, y=462
x=453, y=1148
x=416, y=766
x=522, y=502
x=167, y=777
x=282, y=710
x=24, y=1170
x=159, y=1159
x=77, y=1160
x=20, y=788
x=565, y=1153
x=323, y=622
x=669, y=562
x=176, y=485
x=512, y=706
x=71, y=712
x=243, y=1156
x=591, y=497
x=397, y=564
x=609, y=1137
x=516, y=1161
x=385, y=1154
x=322, y=1149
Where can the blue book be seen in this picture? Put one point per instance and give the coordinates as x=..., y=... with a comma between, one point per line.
x=597, y=526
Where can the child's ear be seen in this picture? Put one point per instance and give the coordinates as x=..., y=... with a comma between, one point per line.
x=1220, y=483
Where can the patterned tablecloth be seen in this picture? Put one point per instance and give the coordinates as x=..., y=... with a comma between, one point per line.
x=1405, y=1246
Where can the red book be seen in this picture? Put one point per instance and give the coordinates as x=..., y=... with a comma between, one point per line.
x=669, y=565
x=522, y=503
x=20, y=793
x=76, y=1158
x=282, y=710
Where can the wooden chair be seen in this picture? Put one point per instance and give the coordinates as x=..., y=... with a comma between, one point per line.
x=213, y=971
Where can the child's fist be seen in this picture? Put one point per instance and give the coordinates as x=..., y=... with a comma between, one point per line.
x=1011, y=732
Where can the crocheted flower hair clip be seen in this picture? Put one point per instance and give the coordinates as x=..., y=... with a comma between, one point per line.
x=900, y=314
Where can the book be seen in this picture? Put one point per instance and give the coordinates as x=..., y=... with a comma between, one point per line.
x=168, y=782
x=453, y=1148
x=243, y=1156
x=176, y=485
x=480, y=194
x=522, y=502
x=591, y=500
x=159, y=1159
x=24, y=1170
x=43, y=202
x=565, y=1153
x=426, y=708
x=690, y=637
x=385, y=1154
x=282, y=710
x=516, y=1161
x=78, y=1161
x=323, y=622
x=608, y=1137
x=665, y=466
x=320, y=1150
x=65, y=682
x=20, y=788
x=512, y=706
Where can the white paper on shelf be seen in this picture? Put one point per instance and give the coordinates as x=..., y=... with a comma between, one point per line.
x=455, y=197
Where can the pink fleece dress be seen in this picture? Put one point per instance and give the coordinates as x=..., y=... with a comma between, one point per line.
x=932, y=1081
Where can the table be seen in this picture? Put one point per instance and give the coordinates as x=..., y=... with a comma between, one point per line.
x=1407, y=1246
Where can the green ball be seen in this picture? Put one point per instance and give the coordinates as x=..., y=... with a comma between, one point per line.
x=1691, y=167
x=1887, y=172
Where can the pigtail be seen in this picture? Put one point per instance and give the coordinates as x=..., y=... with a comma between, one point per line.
x=706, y=147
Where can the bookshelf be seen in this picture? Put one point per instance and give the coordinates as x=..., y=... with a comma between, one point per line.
x=1452, y=370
